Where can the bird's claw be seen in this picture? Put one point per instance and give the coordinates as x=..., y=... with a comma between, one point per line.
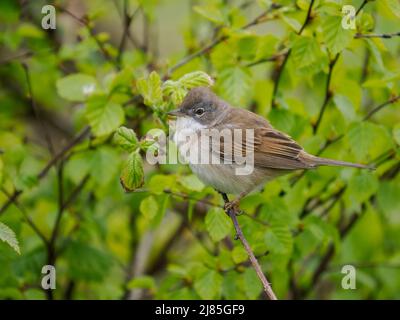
x=233, y=205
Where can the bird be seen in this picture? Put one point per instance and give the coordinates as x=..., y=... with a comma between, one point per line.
x=274, y=152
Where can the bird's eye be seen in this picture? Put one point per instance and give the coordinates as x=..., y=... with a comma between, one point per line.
x=199, y=111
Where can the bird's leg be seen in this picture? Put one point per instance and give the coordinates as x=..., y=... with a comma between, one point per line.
x=234, y=204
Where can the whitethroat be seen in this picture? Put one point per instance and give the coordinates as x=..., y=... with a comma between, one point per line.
x=273, y=153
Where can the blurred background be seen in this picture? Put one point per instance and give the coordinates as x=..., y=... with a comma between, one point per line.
x=64, y=93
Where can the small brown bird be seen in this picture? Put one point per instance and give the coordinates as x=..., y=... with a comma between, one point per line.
x=274, y=153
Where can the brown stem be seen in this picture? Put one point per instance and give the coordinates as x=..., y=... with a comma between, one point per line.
x=267, y=287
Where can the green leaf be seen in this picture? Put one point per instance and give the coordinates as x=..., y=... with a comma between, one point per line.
x=208, y=285
x=218, y=224
x=362, y=186
x=191, y=182
x=239, y=254
x=211, y=13
x=235, y=83
x=149, y=207
x=278, y=238
x=132, y=176
x=396, y=133
x=8, y=236
x=150, y=89
x=143, y=282
x=196, y=79
x=388, y=200
x=367, y=139
x=305, y=51
x=335, y=36
x=104, y=116
x=251, y=283
x=76, y=87
x=86, y=262
x=393, y=6
x=345, y=106
x=126, y=139
x=1, y=171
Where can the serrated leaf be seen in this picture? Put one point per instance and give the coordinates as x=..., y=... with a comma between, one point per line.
x=362, y=186
x=208, y=285
x=279, y=239
x=388, y=200
x=150, y=89
x=305, y=51
x=126, y=138
x=367, y=139
x=251, y=283
x=239, y=254
x=76, y=87
x=196, y=79
x=335, y=36
x=104, y=116
x=218, y=224
x=8, y=236
x=132, y=176
x=235, y=84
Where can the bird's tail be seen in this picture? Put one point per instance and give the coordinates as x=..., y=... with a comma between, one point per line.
x=329, y=162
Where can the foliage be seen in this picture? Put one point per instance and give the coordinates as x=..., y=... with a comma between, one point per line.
x=87, y=94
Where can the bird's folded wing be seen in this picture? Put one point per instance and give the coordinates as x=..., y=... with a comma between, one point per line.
x=272, y=149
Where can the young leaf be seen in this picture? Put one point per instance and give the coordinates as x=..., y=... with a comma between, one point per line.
x=149, y=207
x=396, y=133
x=76, y=87
x=208, y=285
x=252, y=285
x=210, y=12
x=150, y=89
x=126, y=139
x=235, y=83
x=196, y=79
x=104, y=116
x=218, y=224
x=143, y=282
x=1, y=171
x=132, y=176
x=8, y=236
x=335, y=36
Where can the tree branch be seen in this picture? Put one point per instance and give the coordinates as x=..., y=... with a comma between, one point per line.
x=239, y=234
x=376, y=35
x=261, y=18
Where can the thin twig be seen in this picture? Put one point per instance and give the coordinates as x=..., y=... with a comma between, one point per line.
x=377, y=35
x=278, y=73
x=49, y=165
x=261, y=18
x=328, y=93
x=267, y=287
x=381, y=106
x=36, y=110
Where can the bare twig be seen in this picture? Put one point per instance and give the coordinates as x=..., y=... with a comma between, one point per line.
x=36, y=110
x=376, y=35
x=267, y=287
x=328, y=94
x=381, y=106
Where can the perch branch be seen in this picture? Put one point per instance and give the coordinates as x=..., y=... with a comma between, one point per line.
x=267, y=287
x=376, y=35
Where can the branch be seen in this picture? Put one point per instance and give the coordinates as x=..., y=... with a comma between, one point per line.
x=36, y=109
x=381, y=106
x=261, y=18
x=376, y=35
x=60, y=155
x=328, y=94
x=280, y=69
x=239, y=234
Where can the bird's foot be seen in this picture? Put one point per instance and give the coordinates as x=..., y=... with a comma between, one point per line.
x=233, y=205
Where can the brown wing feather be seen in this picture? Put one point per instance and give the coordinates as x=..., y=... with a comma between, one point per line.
x=272, y=148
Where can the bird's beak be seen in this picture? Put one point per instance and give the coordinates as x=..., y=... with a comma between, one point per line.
x=176, y=113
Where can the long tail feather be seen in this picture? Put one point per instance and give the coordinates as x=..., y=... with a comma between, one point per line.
x=329, y=162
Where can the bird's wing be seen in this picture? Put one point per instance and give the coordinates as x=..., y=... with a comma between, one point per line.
x=272, y=148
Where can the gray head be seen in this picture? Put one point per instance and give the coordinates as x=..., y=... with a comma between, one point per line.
x=201, y=104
